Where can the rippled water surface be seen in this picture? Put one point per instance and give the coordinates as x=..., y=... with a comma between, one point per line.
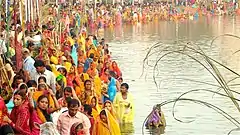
x=129, y=45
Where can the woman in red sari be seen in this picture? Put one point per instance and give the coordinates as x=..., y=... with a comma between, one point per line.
x=20, y=115
x=4, y=127
x=116, y=69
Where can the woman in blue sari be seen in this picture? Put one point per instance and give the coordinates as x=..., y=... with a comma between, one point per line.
x=113, y=87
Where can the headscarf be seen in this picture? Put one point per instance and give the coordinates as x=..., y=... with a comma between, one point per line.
x=109, y=128
x=54, y=60
x=95, y=110
x=113, y=112
x=74, y=129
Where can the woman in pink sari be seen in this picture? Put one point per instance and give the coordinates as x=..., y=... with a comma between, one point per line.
x=20, y=115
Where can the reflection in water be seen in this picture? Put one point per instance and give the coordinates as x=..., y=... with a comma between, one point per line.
x=157, y=131
x=127, y=129
x=129, y=45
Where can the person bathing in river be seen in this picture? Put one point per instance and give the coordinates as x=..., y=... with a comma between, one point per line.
x=156, y=118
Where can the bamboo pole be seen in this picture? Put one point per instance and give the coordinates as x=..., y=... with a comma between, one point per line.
x=3, y=73
x=15, y=36
x=8, y=16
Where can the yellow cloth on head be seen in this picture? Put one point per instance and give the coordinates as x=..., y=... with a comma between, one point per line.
x=57, y=73
x=54, y=60
x=95, y=110
x=67, y=65
x=85, y=77
x=37, y=94
x=109, y=128
x=71, y=41
x=92, y=50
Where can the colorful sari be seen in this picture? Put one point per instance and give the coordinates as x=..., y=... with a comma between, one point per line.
x=116, y=69
x=20, y=117
x=77, y=129
x=112, y=89
x=156, y=119
x=109, y=128
x=124, y=108
x=104, y=77
x=37, y=94
x=3, y=110
x=95, y=110
x=112, y=111
x=44, y=116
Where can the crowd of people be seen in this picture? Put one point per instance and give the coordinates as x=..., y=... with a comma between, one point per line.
x=67, y=87
x=57, y=74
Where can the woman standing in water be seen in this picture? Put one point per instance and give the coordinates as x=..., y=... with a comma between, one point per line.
x=124, y=105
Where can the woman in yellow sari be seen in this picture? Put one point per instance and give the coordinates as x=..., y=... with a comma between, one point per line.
x=43, y=90
x=106, y=124
x=109, y=106
x=95, y=106
x=83, y=78
x=93, y=74
x=123, y=103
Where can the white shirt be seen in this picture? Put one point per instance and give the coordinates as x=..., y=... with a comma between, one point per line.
x=28, y=64
x=51, y=80
x=65, y=122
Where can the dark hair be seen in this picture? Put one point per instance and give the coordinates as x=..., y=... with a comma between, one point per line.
x=103, y=112
x=85, y=82
x=19, y=77
x=41, y=97
x=120, y=78
x=73, y=103
x=68, y=99
x=74, y=82
x=31, y=83
x=88, y=109
x=64, y=70
x=59, y=93
x=15, y=78
x=30, y=44
x=60, y=82
x=106, y=51
x=68, y=89
x=48, y=68
x=21, y=93
x=125, y=85
x=41, y=84
x=105, y=69
x=44, y=27
x=39, y=63
x=91, y=55
x=112, y=73
x=80, y=126
x=42, y=77
x=23, y=86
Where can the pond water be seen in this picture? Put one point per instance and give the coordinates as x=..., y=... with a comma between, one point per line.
x=129, y=45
